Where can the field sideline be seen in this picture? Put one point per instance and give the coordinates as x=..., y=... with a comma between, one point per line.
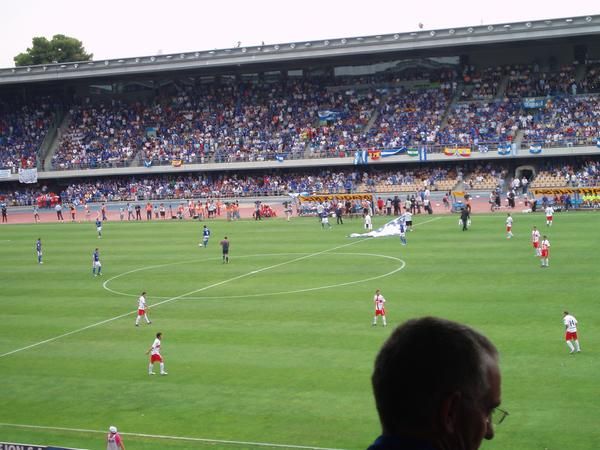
x=275, y=349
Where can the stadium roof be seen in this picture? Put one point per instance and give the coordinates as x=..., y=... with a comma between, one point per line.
x=296, y=51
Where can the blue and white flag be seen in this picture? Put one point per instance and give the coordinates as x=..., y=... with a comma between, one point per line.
x=328, y=115
x=504, y=149
x=482, y=148
x=422, y=153
x=280, y=158
x=147, y=163
x=392, y=151
x=361, y=157
x=535, y=149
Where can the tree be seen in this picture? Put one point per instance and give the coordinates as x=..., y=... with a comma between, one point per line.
x=60, y=49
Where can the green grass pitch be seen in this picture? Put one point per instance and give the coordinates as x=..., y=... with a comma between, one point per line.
x=277, y=347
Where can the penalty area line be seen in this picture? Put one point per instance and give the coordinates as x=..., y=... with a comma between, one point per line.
x=172, y=438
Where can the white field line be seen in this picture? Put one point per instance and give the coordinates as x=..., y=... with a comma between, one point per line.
x=172, y=299
x=173, y=438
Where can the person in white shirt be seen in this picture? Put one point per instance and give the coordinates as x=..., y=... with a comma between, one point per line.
x=368, y=223
x=113, y=440
x=155, y=356
x=545, y=251
x=535, y=240
x=379, y=301
x=570, y=323
x=142, y=310
x=549, y=215
x=509, y=222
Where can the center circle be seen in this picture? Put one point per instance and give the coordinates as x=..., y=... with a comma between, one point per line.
x=401, y=266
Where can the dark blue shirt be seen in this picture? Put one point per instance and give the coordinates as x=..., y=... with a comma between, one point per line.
x=400, y=443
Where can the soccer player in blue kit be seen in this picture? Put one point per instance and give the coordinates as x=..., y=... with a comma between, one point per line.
x=205, y=237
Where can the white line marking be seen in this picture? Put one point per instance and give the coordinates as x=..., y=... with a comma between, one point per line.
x=264, y=294
x=174, y=438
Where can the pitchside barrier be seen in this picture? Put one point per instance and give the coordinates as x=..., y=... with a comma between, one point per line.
x=15, y=446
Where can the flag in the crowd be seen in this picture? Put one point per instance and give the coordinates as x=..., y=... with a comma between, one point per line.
x=361, y=157
x=412, y=152
x=482, y=148
x=449, y=151
x=392, y=152
x=374, y=154
x=504, y=149
x=598, y=143
x=535, y=148
x=177, y=163
x=28, y=176
x=280, y=158
x=5, y=173
x=422, y=153
x=464, y=151
x=147, y=163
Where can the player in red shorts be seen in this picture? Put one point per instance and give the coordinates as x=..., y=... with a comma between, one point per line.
x=545, y=251
x=570, y=323
x=142, y=310
x=535, y=240
x=379, y=307
x=155, y=356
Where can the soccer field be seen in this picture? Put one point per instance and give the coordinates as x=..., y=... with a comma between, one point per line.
x=276, y=348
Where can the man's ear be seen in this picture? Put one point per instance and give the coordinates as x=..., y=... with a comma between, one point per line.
x=449, y=412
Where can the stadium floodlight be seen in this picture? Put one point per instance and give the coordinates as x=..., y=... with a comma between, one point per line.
x=167, y=57
x=106, y=63
x=137, y=60
x=548, y=22
x=292, y=45
x=212, y=52
x=76, y=65
x=44, y=68
x=121, y=61
x=470, y=30
x=153, y=58
x=197, y=54
x=244, y=50
x=528, y=24
x=490, y=27
x=344, y=40
x=451, y=31
x=276, y=47
x=182, y=56
x=507, y=27
x=413, y=34
x=378, y=37
x=325, y=43
x=29, y=69
x=62, y=66
x=396, y=36
x=569, y=20
x=588, y=19
x=359, y=39
x=432, y=33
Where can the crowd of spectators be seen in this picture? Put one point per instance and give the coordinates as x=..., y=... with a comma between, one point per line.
x=565, y=121
x=22, y=130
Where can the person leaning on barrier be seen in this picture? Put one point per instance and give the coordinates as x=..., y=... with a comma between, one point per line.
x=437, y=387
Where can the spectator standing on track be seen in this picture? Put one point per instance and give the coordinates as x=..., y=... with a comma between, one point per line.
x=113, y=440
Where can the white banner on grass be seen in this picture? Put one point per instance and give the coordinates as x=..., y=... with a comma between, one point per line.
x=28, y=176
x=391, y=228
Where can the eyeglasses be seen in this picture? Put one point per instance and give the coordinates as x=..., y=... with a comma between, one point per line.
x=497, y=416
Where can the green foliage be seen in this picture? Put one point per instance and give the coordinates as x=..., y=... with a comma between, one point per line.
x=257, y=353
x=59, y=49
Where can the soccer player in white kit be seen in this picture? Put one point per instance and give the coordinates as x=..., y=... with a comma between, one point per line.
x=545, y=251
x=155, y=356
x=570, y=323
x=509, y=222
x=142, y=310
x=549, y=215
x=379, y=301
x=535, y=240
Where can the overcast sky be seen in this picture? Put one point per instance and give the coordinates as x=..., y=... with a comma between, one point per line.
x=126, y=28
